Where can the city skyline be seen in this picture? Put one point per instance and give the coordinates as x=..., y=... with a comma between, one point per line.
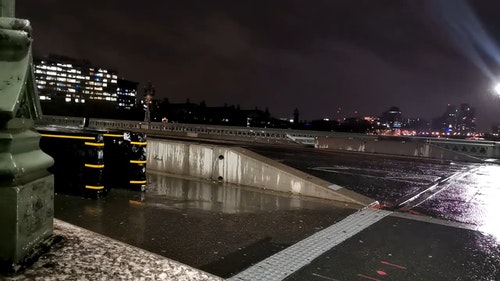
x=362, y=56
x=64, y=80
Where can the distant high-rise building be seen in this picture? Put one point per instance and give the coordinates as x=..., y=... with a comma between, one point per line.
x=392, y=118
x=126, y=93
x=446, y=123
x=456, y=120
x=466, y=120
x=63, y=79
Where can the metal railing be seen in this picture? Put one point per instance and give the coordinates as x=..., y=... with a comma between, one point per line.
x=478, y=148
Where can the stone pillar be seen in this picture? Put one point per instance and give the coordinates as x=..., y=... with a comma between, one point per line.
x=26, y=188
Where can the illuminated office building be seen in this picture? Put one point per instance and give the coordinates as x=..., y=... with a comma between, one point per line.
x=126, y=93
x=63, y=79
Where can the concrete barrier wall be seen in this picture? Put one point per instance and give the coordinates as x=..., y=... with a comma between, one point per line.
x=481, y=149
x=242, y=167
x=393, y=147
x=476, y=148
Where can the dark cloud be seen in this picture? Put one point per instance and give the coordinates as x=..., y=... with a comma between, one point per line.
x=361, y=55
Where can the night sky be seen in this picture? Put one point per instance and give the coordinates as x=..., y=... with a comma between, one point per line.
x=314, y=55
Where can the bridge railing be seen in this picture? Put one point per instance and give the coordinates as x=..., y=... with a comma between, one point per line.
x=61, y=121
x=478, y=148
x=114, y=124
x=268, y=133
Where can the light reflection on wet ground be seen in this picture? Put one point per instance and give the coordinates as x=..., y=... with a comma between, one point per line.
x=221, y=229
x=191, y=194
x=472, y=198
x=457, y=191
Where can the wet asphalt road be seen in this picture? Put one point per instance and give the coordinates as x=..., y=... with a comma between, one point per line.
x=463, y=192
x=387, y=179
x=399, y=248
x=218, y=228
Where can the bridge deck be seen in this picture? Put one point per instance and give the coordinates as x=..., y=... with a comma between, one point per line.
x=225, y=231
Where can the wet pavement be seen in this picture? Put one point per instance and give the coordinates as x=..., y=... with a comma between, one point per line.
x=79, y=254
x=218, y=228
x=388, y=179
x=443, y=227
x=457, y=191
x=472, y=197
x=398, y=248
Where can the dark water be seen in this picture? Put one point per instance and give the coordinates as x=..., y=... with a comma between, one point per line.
x=221, y=229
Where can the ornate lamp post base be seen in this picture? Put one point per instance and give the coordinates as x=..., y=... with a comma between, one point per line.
x=27, y=222
x=26, y=188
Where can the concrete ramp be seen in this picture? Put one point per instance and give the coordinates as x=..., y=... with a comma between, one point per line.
x=240, y=166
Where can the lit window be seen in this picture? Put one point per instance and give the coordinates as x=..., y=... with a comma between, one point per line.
x=68, y=99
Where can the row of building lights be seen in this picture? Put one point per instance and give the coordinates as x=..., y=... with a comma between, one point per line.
x=78, y=83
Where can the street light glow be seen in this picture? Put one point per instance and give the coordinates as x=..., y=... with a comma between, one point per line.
x=497, y=89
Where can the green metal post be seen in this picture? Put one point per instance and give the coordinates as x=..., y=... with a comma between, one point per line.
x=26, y=188
x=7, y=8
